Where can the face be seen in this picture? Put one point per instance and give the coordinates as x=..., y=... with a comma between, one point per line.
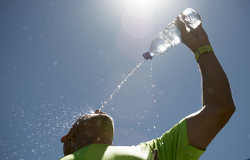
x=91, y=128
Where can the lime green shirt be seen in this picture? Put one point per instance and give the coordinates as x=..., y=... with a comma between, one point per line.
x=172, y=145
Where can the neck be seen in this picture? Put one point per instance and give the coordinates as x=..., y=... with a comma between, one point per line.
x=81, y=144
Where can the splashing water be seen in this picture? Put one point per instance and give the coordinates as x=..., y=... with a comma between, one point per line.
x=152, y=84
x=120, y=85
x=151, y=70
x=153, y=88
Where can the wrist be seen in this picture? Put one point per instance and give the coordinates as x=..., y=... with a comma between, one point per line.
x=199, y=44
x=202, y=50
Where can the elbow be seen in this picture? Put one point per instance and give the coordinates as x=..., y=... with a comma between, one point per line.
x=228, y=110
x=232, y=109
x=226, y=106
x=230, y=106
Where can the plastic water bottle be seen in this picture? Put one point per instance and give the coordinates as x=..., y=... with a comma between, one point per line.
x=171, y=35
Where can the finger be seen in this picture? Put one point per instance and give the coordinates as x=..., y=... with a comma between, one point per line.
x=180, y=25
x=183, y=17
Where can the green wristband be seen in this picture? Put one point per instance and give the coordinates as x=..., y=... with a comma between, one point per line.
x=200, y=51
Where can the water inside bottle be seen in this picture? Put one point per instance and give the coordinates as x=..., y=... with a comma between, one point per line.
x=165, y=40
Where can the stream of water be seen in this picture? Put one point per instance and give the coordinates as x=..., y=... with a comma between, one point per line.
x=116, y=90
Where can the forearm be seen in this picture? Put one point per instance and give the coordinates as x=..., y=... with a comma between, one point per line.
x=215, y=86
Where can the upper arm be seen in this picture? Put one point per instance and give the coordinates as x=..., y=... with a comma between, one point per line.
x=204, y=125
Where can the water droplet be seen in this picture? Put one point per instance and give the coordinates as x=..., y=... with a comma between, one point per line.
x=55, y=63
x=101, y=107
x=154, y=127
x=153, y=85
x=155, y=100
x=111, y=96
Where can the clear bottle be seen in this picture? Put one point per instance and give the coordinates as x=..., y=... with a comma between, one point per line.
x=171, y=35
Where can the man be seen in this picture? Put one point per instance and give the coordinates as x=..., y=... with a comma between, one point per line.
x=90, y=137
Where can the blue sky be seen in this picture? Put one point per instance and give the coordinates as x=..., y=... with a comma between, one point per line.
x=60, y=59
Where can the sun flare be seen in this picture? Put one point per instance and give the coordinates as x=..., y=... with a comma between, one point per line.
x=140, y=8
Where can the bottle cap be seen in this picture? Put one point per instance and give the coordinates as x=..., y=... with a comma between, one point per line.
x=147, y=55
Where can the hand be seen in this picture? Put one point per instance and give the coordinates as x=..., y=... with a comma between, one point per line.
x=193, y=39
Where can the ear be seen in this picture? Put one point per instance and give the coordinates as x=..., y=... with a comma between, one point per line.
x=63, y=139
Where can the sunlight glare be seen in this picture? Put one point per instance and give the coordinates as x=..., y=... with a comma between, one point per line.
x=162, y=48
x=140, y=8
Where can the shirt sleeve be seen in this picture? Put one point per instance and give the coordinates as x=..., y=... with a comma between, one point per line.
x=173, y=144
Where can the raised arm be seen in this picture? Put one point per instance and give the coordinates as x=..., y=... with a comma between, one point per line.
x=218, y=105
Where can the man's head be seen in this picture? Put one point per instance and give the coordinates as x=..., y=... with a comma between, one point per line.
x=88, y=129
